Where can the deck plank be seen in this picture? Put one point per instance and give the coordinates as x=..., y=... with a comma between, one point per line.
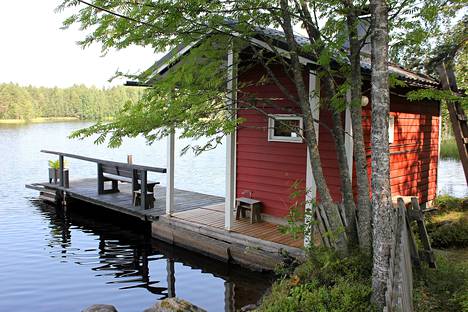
x=86, y=190
x=263, y=230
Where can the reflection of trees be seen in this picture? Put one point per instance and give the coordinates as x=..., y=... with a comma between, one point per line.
x=125, y=250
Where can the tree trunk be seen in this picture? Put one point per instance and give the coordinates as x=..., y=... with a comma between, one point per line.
x=345, y=175
x=309, y=129
x=381, y=197
x=364, y=209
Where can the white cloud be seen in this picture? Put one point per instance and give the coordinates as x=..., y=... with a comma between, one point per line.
x=34, y=50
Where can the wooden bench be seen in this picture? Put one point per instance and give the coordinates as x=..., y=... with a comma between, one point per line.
x=253, y=205
x=113, y=171
x=115, y=174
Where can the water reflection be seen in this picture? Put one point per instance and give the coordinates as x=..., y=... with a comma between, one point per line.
x=122, y=252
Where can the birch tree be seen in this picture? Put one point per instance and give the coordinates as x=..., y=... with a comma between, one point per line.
x=381, y=193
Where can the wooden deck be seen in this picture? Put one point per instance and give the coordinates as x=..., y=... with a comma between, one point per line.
x=213, y=216
x=86, y=190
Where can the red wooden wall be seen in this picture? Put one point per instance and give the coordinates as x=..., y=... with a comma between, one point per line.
x=414, y=151
x=268, y=169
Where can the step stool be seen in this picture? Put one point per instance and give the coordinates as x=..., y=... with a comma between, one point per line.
x=253, y=205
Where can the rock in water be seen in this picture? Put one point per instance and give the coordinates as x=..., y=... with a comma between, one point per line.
x=100, y=308
x=174, y=305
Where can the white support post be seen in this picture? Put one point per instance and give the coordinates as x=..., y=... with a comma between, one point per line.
x=314, y=102
x=170, y=173
x=438, y=147
x=230, y=147
x=349, y=135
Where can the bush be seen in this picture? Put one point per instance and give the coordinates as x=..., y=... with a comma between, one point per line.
x=447, y=203
x=448, y=228
x=324, y=283
x=449, y=234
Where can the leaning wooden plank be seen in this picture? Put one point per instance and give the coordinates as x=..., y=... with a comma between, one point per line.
x=429, y=254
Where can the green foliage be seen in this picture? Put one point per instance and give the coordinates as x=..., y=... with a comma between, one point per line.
x=449, y=235
x=445, y=288
x=447, y=203
x=449, y=149
x=438, y=95
x=18, y=102
x=55, y=164
x=325, y=282
x=448, y=228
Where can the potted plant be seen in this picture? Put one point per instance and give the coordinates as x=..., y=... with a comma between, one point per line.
x=54, y=168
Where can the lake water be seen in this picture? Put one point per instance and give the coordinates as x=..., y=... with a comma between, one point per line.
x=56, y=261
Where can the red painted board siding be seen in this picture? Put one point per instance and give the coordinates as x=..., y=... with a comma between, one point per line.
x=267, y=169
x=414, y=151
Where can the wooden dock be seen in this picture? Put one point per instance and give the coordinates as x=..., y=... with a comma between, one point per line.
x=86, y=190
x=194, y=220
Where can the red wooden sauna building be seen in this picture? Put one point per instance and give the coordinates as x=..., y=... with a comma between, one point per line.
x=264, y=159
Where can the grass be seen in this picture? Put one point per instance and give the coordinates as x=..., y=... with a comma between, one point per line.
x=449, y=149
x=446, y=288
x=36, y=120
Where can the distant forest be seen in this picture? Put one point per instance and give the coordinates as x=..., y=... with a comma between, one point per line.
x=20, y=102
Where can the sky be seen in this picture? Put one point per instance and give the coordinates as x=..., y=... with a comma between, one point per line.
x=35, y=51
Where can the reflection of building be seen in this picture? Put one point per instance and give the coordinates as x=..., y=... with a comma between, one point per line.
x=127, y=253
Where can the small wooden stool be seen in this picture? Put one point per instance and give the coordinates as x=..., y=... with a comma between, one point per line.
x=137, y=198
x=253, y=205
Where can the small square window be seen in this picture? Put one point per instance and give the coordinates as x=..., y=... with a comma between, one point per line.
x=285, y=128
x=391, y=129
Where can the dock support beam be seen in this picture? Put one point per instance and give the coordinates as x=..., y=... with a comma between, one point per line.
x=310, y=182
x=170, y=173
x=230, y=145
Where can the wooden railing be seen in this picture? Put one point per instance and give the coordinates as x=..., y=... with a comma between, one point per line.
x=399, y=294
x=100, y=162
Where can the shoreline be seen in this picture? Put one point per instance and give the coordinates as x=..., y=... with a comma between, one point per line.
x=37, y=120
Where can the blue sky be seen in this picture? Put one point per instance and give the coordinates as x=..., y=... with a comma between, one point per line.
x=34, y=50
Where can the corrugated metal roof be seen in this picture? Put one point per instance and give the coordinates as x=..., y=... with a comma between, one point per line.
x=279, y=37
x=395, y=69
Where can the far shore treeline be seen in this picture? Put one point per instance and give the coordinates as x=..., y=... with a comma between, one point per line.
x=79, y=101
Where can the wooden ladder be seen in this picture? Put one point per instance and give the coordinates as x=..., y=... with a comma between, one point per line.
x=457, y=116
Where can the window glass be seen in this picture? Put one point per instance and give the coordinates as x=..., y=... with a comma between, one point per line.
x=286, y=128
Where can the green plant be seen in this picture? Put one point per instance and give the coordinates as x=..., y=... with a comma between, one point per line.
x=449, y=234
x=449, y=203
x=324, y=282
x=448, y=228
x=55, y=164
x=449, y=149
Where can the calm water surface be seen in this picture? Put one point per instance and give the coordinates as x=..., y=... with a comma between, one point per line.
x=56, y=261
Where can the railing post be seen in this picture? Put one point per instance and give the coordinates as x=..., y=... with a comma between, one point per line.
x=61, y=175
x=100, y=179
x=144, y=192
x=170, y=173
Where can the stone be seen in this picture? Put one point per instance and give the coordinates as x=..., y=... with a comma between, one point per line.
x=100, y=308
x=174, y=305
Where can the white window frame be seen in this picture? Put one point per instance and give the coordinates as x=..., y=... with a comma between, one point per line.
x=391, y=129
x=272, y=118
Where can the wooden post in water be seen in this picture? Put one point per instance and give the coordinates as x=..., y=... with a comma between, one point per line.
x=144, y=198
x=61, y=175
x=170, y=278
